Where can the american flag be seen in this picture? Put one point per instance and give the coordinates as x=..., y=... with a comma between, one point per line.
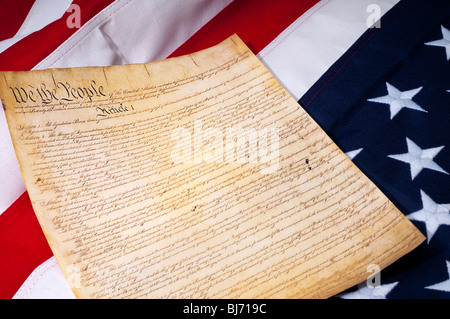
x=374, y=74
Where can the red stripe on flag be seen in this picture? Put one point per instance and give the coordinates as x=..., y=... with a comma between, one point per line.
x=28, y=52
x=12, y=16
x=256, y=22
x=23, y=246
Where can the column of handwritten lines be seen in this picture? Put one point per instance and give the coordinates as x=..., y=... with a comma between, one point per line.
x=132, y=153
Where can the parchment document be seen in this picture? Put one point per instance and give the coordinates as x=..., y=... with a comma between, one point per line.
x=194, y=177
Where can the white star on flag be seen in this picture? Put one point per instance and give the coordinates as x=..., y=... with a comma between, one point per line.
x=418, y=158
x=352, y=154
x=365, y=292
x=444, y=42
x=398, y=100
x=444, y=285
x=432, y=214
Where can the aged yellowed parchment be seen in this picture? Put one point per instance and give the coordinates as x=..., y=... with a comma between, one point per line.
x=194, y=177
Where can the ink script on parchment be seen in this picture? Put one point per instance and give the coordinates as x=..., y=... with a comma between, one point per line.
x=194, y=177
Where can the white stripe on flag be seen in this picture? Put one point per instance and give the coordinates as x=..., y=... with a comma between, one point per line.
x=136, y=31
x=307, y=48
x=297, y=57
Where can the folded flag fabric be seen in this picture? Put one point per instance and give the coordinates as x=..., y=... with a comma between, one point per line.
x=373, y=74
